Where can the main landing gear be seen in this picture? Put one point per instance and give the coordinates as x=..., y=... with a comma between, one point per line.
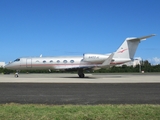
x=80, y=73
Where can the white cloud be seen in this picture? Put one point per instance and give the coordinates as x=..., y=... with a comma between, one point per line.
x=139, y=58
x=154, y=60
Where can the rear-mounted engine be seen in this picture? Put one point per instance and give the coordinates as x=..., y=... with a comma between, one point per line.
x=94, y=57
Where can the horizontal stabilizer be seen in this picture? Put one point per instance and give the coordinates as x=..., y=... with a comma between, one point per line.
x=129, y=46
x=141, y=38
x=108, y=61
x=144, y=38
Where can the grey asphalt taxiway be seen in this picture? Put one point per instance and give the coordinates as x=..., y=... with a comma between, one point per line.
x=69, y=89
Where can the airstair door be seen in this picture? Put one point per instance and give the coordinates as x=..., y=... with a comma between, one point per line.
x=29, y=63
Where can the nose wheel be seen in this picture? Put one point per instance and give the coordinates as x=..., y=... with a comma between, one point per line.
x=16, y=74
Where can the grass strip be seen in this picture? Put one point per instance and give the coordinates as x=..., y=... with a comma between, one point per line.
x=78, y=112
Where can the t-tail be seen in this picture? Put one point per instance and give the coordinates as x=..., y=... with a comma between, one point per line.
x=127, y=50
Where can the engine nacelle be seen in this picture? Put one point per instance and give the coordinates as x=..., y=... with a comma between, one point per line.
x=94, y=58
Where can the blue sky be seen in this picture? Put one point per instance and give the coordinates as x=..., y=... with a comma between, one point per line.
x=74, y=27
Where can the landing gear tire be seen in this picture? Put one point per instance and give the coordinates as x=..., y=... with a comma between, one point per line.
x=81, y=75
x=16, y=75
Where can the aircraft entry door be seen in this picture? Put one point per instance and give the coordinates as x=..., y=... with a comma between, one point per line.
x=29, y=63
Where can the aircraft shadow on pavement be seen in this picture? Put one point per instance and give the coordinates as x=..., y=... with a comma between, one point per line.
x=81, y=78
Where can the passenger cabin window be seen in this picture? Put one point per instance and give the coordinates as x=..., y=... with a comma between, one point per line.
x=58, y=61
x=17, y=60
x=44, y=61
x=65, y=61
x=72, y=61
x=51, y=61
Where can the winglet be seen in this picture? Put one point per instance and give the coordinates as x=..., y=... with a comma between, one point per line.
x=107, y=61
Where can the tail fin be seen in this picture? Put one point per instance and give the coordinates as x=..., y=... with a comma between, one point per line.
x=129, y=46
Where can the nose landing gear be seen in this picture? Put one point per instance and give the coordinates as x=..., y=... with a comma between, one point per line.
x=16, y=74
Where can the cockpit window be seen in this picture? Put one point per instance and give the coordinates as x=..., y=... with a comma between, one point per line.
x=17, y=60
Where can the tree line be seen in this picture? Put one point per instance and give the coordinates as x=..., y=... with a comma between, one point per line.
x=145, y=66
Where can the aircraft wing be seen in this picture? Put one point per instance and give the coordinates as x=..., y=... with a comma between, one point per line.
x=107, y=62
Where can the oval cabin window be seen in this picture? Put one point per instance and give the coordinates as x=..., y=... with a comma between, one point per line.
x=65, y=61
x=72, y=61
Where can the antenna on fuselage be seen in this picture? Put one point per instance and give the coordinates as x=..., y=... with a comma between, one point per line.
x=40, y=55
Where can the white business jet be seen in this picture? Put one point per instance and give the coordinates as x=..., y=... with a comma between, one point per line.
x=125, y=53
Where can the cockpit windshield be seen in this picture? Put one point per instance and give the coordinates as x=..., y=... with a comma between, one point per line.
x=17, y=60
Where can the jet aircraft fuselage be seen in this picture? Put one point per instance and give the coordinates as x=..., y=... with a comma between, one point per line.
x=124, y=53
x=60, y=63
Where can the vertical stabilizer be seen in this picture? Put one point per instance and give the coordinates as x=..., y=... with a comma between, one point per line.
x=128, y=48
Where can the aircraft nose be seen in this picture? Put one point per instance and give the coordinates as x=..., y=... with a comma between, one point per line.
x=8, y=66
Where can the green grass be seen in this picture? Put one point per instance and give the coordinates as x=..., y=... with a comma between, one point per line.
x=79, y=112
